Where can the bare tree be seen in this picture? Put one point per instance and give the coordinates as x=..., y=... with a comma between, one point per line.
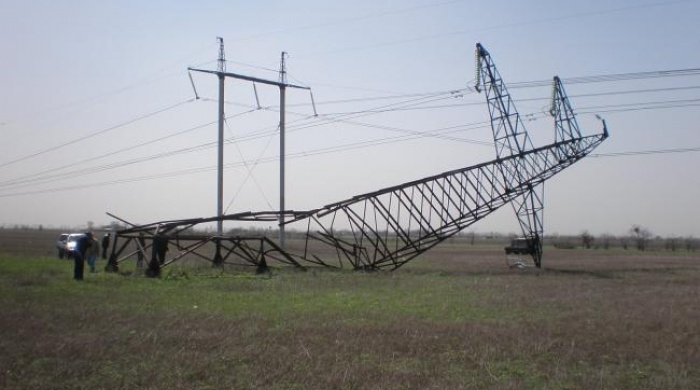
x=587, y=239
x=641, y=236
x=671, y=244
x=624, y=241
x=606, y=240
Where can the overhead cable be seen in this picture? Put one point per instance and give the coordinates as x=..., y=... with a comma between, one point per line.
x=92, y=135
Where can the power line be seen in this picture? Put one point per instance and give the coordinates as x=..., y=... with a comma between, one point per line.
x=498, y=27
x=652, y=104
x=530, y=84
x=117, y=91
x=320, y=121
x=527, y=84
x=250, y=172
x=613, y=77
x=37, y=178
x=41, y=177
x=386, y=97
x=335, y=149
x=342, y=147
x=100, y=132
x=90, y=170
x=271, y=159
x=416, y=101
x=335, y=23
x=648, y=152
x=338, y=117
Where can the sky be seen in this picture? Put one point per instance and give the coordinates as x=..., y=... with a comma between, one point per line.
x=99, y=114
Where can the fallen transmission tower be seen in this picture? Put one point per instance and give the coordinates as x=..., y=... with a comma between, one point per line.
x=386, y=229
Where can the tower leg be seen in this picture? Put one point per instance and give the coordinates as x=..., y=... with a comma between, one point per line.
x=529, y=208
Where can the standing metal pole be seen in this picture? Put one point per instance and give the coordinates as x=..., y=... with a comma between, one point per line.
x=282, y=147
x=282, y=85
x=283, y=90
x=218, y=260
x=220, y=187
x=220, y=172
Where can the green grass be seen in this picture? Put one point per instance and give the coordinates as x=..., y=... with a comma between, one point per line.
x=360, y=297
x=623, y=326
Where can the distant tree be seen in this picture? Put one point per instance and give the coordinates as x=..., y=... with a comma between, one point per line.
x=641, y=236
x=606, y=240
x=587, y=239
x=671, y=244
x=624, y=241
x=690, y=244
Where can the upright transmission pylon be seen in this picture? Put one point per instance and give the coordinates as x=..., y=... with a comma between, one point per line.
x=387, y=228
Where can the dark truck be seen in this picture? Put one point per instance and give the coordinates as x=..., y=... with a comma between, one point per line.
x=521, y=246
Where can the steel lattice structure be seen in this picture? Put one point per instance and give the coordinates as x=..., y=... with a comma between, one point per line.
x=386, y=229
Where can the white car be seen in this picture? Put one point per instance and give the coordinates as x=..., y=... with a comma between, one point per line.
x=66, y=244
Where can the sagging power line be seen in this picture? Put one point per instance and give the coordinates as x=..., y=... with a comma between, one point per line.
x=47, y=176
x=414, y=101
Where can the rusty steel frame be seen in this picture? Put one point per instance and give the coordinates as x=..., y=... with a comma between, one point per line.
x=386, y=229
x=248, y=250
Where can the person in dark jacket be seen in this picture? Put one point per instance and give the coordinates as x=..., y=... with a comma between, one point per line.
x=105, y=245
x=79, y=255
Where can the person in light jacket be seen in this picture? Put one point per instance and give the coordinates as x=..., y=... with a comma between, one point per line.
x=92, y=251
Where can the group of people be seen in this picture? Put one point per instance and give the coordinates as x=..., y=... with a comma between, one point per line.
x=87, y=249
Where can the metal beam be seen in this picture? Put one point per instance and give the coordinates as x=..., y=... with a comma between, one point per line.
x=250, y=78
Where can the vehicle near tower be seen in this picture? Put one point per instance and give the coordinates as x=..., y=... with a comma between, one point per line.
x=66, y=244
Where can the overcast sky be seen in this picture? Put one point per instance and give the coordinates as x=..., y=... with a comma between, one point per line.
x=98, y=112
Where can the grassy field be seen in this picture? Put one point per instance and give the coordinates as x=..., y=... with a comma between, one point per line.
x=456, y=318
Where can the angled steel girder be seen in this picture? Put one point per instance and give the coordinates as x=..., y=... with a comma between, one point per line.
x=149, y=243
x=390, y=227
x=386, y=229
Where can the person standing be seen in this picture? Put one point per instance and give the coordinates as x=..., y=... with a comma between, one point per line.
x=105, y=245
x=79, y=256
x=92, y=251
